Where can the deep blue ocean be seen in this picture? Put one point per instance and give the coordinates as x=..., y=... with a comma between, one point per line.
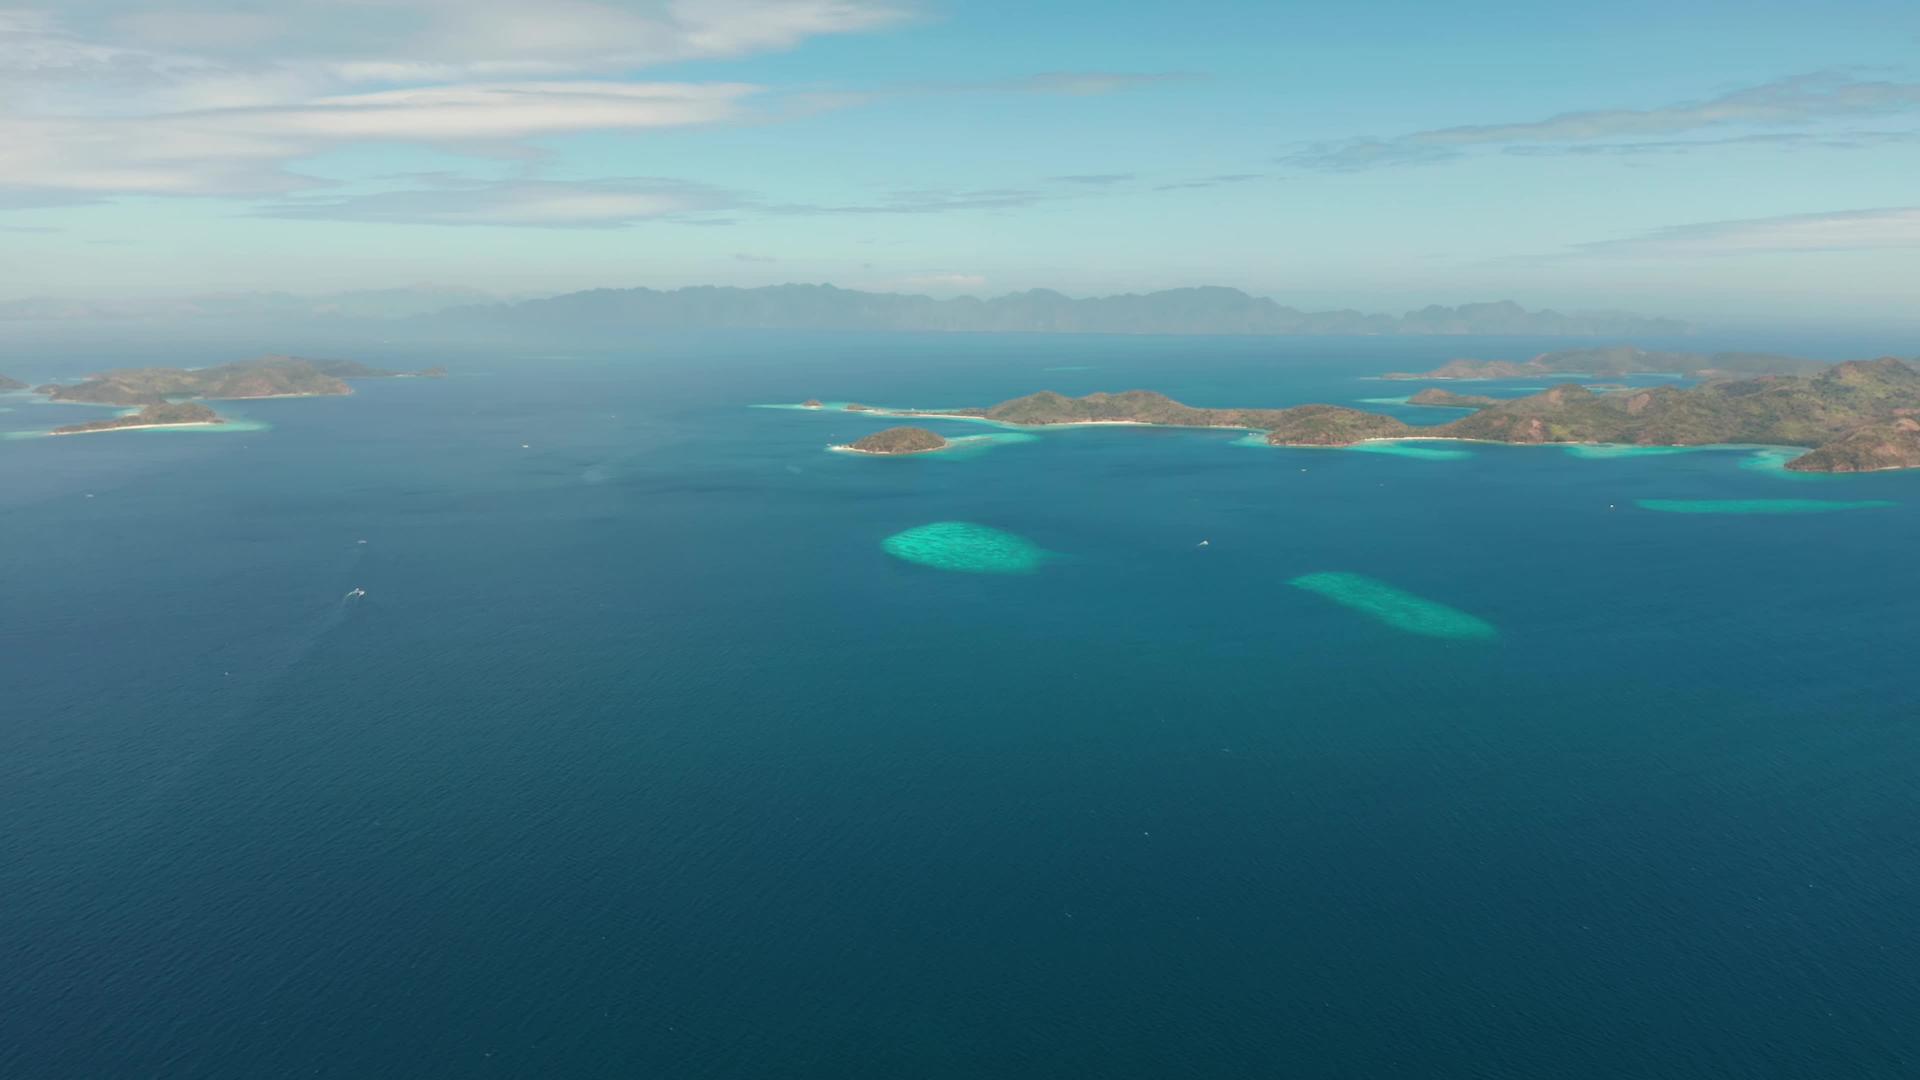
x=642, y=757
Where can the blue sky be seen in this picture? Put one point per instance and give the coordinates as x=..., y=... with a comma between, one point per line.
x=1709, y=160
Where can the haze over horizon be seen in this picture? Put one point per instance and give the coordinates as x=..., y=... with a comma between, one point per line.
x=1740, y=164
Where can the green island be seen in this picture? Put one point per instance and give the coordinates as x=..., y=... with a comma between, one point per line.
x=898, y=440
x=165, y=415
x=1858, y=416
x=1301, y=425
x=1447, y=399
x=8, y=385
x=1619, y=360
x=162, y=394
x=261, y=377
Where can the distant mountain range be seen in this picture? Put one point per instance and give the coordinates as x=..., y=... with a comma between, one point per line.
x=1208, y=310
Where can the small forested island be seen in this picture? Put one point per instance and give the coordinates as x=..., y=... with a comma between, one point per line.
x=1301, y=425
x=1447, y=399
x=160, y=392
x=262, y=377
x=1619, y=360
x=1858, y=416
x=899, y=440
x=7, y=385
x=181, y=414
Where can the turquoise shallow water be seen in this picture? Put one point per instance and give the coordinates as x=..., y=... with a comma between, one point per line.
x=965, y=547
x=642, y=756
x=1434, y=450
x=1394, y=607
x=1417, y=451
x=1761, y=506
x=235, y=422
x=963, y=447
x=1608, y=451
x=1772, y=461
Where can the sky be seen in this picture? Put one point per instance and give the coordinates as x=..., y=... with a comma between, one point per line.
x=1710, y=160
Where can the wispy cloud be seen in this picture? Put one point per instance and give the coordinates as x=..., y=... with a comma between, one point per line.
x=1064, y=83
x=1844, y=230
x=1799, y=100
x=419, y=41
x=1354, y=155
x=1845, y=140
x=198, y=98
x=248, y=151
x=929, y=201
x=439, y=199
x=1094, y=179
x=116, y=97
x=1079, y=83
x=1216, y=180
x=491, y=111
x=610, y=203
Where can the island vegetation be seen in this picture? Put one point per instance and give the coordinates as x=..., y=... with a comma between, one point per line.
x=162, y=394
x=1852, y=417
x=899, y=440
x=179, y=414
x=1871, y=447
x=1615, y=360
x=1855, y=417
x=1447, y=399
x=1301, y=425
x=7, y=385
x=261, y=377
